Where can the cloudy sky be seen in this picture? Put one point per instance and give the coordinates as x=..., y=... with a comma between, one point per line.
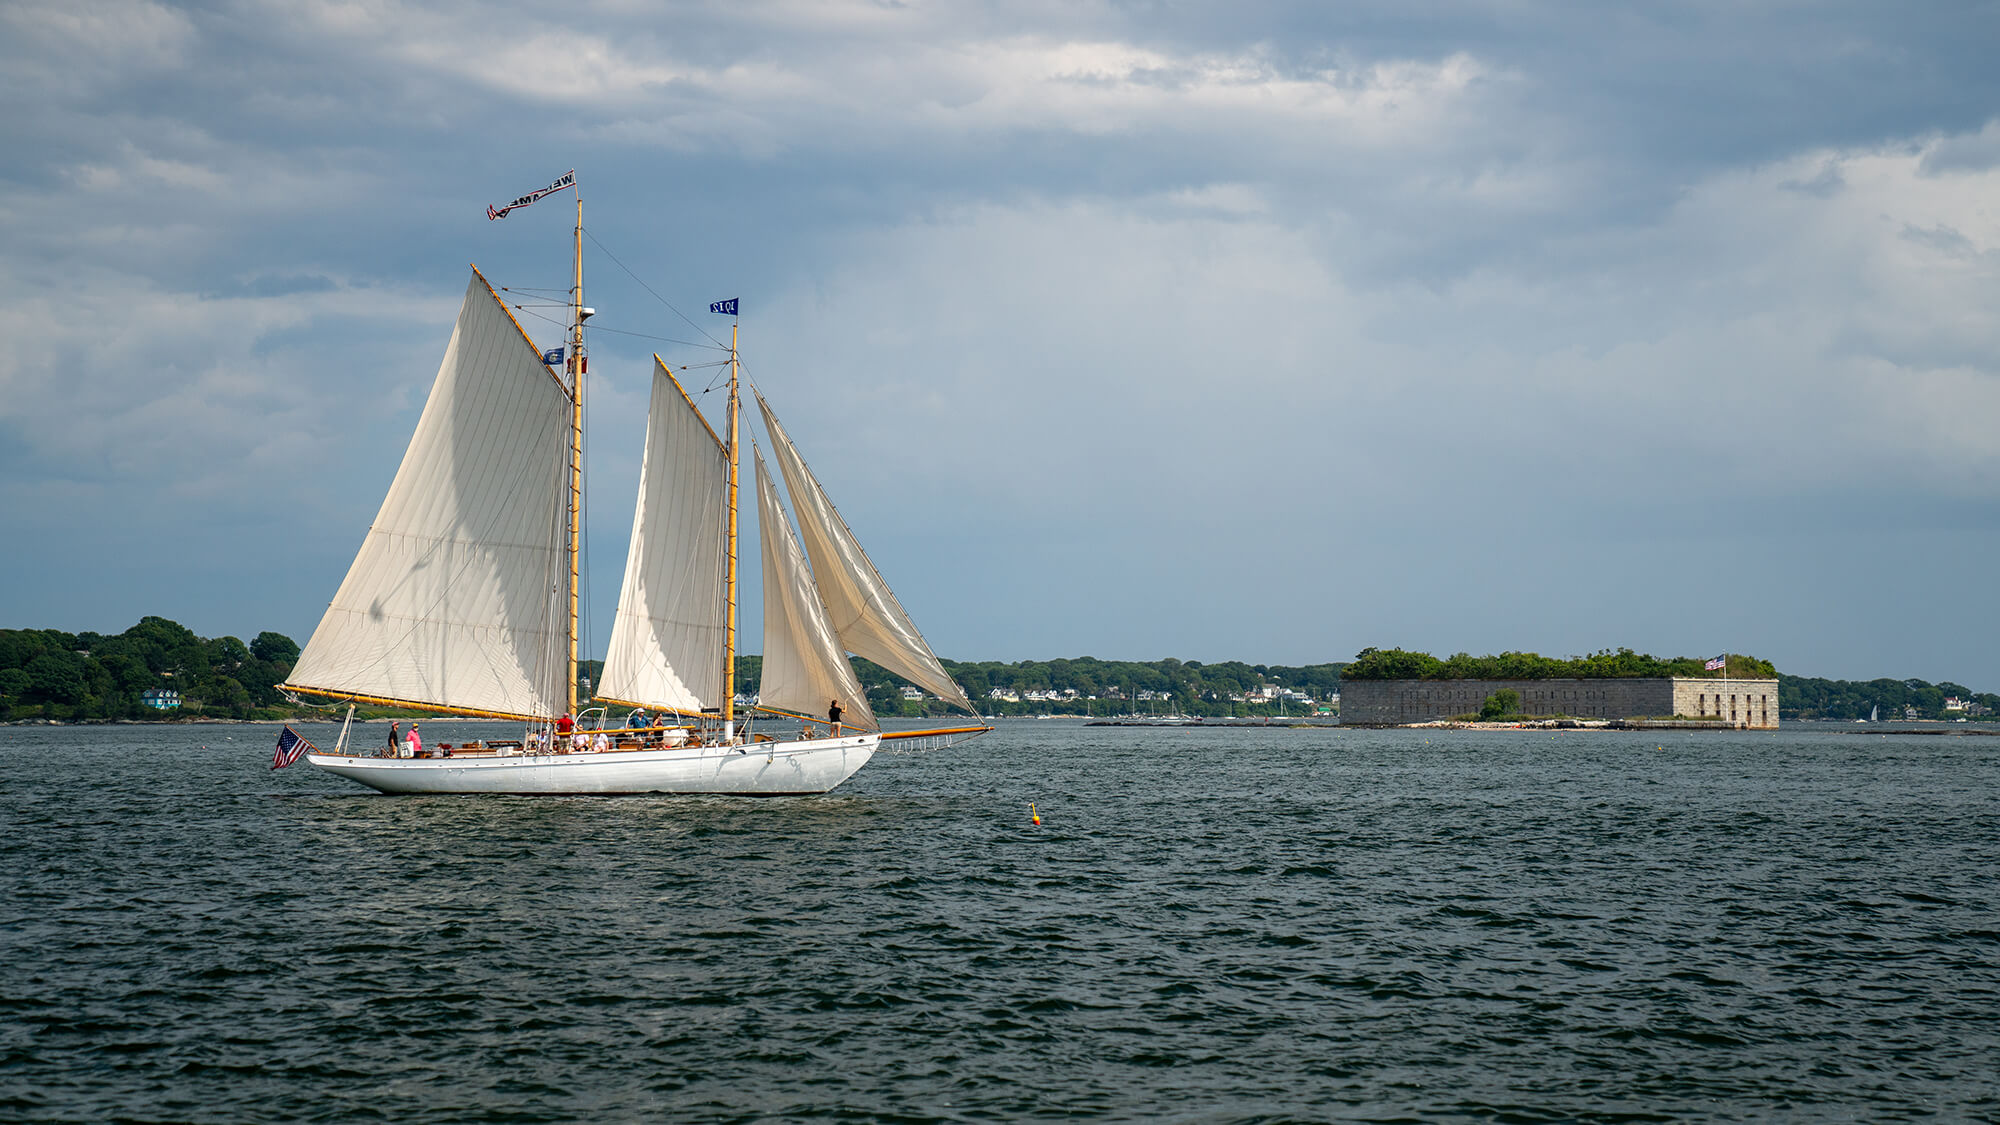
x=1230, y=331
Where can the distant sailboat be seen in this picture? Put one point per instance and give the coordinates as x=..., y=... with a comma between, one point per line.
x=463, y=597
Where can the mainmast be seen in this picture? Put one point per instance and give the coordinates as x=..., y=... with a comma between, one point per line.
x=576, y=370
x=729, y=632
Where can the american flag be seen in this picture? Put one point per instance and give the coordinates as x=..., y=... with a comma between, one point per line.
x=290, y=748
x=1716, y=663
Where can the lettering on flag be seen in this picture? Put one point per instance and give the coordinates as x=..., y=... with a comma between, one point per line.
x=552, y=356
x=290, y=748
x=1718, y=662
x=566, y=180
x=726, y=308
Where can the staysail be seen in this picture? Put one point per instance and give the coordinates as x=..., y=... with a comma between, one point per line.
x=666, y=642
x=804, y=667
x=865, y=614
x=457, y=598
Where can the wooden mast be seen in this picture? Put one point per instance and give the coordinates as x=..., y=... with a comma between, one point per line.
x=575, y=444
x=729, y=633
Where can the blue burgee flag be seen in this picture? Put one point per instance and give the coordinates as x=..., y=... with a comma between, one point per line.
x=290, y=748
x=552, y=356
x=726, y=308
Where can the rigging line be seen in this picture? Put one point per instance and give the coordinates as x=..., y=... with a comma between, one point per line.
x=649, y=289
x=643, y=336
x=544, y=319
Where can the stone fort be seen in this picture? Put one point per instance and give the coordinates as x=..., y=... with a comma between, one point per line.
x=1751, y=704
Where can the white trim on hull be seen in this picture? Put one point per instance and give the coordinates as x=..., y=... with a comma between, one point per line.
x=763, y=769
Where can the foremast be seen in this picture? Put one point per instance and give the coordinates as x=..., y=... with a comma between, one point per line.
x=735, y=464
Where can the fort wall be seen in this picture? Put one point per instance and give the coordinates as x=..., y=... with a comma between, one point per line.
x=1387, y=703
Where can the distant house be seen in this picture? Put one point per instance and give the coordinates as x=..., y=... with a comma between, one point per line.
x=1953, y=703
x=912, y=693
x=161, y=699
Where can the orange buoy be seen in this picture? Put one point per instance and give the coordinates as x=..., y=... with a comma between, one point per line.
x=1033, y=815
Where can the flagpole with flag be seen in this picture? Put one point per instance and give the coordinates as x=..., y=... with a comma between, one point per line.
x=1719, y=662
x=291, y=747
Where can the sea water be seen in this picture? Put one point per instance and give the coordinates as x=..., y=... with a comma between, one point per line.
x=1209, y=925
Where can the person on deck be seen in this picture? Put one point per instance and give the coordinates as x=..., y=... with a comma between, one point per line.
x=395, y=738
x=601, y=743
x=638, y=719
x=413, y=743
x=564, y=723
x=833, y=715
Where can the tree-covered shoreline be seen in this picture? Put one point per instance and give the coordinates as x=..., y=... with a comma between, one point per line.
x=48, y=674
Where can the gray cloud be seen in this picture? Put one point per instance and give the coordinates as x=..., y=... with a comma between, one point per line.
x=1219, y=333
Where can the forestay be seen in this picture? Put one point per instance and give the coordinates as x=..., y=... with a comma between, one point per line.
x=804, y=668
x=864, y=612
x=667, y=640
x=456, y=597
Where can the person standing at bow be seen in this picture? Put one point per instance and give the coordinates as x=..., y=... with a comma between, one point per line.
x=833, y=715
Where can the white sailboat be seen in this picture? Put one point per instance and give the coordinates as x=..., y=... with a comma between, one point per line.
x=463, y=598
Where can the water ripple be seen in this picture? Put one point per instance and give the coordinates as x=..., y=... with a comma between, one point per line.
x=1211, y=926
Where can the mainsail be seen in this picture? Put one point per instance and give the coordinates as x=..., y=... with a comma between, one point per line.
x=667, y=640
x=865, y=614
x=456, y=599
x=804, y=668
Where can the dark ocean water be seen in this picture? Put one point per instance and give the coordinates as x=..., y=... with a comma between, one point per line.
x=1209, y=926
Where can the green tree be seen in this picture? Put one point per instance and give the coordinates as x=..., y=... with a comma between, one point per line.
x=56, y=677
x=274, y=648
x=1501, y=704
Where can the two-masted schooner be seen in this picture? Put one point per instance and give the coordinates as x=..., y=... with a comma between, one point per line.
x=464, y=596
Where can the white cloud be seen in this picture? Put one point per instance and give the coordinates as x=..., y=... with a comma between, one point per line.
x=1755, y=334
x=73, y=48
x=117, y=385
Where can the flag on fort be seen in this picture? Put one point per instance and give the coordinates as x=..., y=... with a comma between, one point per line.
x=1718, y=662
x=290, y=748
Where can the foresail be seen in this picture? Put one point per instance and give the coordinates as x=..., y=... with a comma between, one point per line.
x=666, y=642
x=865, y=614
x=457, y=597
x=804, y=668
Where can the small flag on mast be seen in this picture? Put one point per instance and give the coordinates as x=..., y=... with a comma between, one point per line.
x=290, y=748
x=552, y=356
x=726, y=308
x=566, y=180
x=1718, y=662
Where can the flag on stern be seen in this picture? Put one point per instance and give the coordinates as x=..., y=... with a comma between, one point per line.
x=552, y=356
x=1718, y=662
x=290, y=748
x=726, y=308
x=566, y=180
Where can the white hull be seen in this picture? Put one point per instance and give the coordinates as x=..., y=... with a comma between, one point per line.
x=764, y=769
